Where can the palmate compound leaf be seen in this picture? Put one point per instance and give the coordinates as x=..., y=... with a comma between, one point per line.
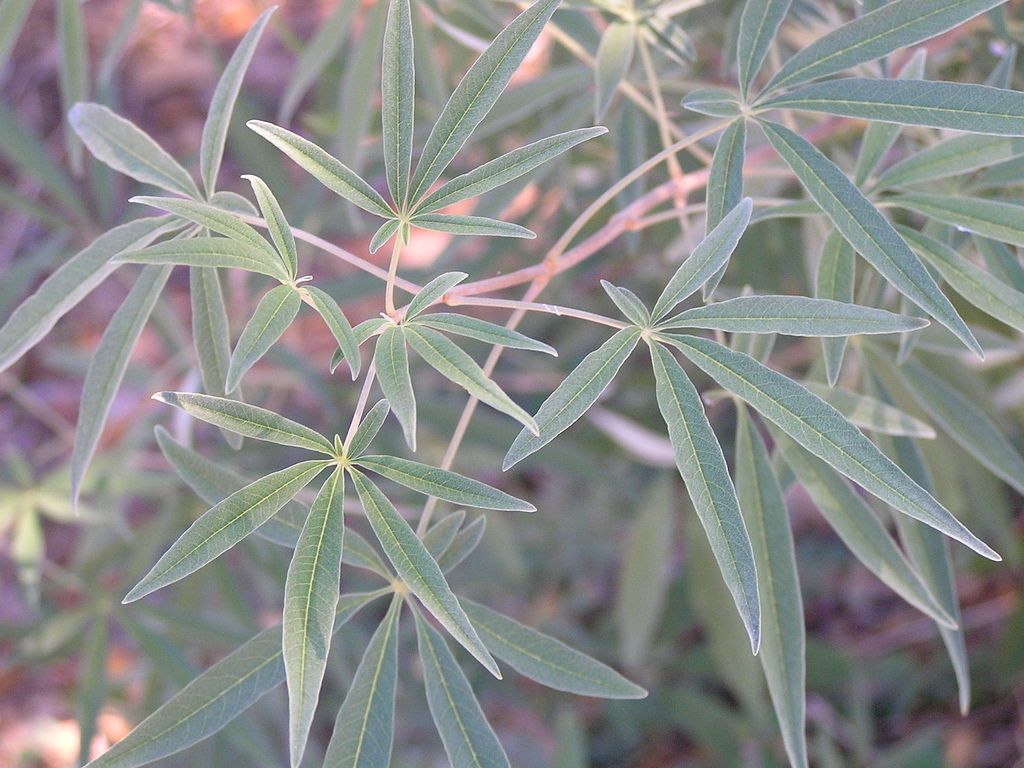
x=469, y=741
x=477, y=92
x=247, y=420
x=310, y=599
x=225, y=524
x=575, y=394
x=216, y=697
x=365, y=724
x=794, y=316
x=823, y=431
x=702, y=466
x=898, y=24
x=418, y=570
x=860, y=529
x=870, y=234
x=273, y=315
x=107, y=368
x=546, y=660
x=442, y=484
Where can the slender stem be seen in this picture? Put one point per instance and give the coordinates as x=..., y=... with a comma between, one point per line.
x=364, y=395
x=389, y=292
x=526, y=306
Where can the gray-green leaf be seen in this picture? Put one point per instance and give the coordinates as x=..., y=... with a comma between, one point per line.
x=212, y=217
x=391, y=360
x=614, y=57
x=433, y=292
x=272, y=317
x=759, y=23
x=835, y=280
x=725, y=186
x=952, y=157
x=208, y=252
x=482, y=330
x=368, y=429
x=470, y=225
x=339, y=325
x=277, y=224
x=398, y=91
x=990, y=218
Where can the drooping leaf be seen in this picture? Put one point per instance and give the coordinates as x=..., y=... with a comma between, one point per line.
x=398, y=92
x=364, y=727
x=702, y=466
x=310, y=599
x=710, y=255
x=821, y=429
x=107, y=368
x=433, y=292
x=468, y=738
x=614, y=57
x=870, y=234
x=215, y=698
x=835, y=280
x=574, y=395
x=328, y=170
x=782, y=610
x=504, y=169
x=898, y=24
x=455, y=365
x=956, y=106
x=989, y=218
x=272, y=317
x=222, y=105
x=470, y=225
x=127, y=149
x=477, y=92
x=481, y=330
x=339, y=326
x=208, y=252
x=418, y=570
x=952, y=157
x=225, y=524
x=759, y=23
x=442, y=484
x=860, y=529
x=247, y=420
x=277, y=224
x=391, y=360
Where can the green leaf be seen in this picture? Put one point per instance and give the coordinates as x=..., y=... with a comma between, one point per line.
x=277, y=224
x=217, y=219
x=367, y=429
x=645, y=573
x=956, y=106
x=340, y=327
x=458, y=367
x=952, y=157
x=398, y=93
x=364, y=728
x=987, y=293
x=13, y=14
x=310, y=599
x=870, y=234
x=725, y=187
x=504, y=169
x=898, y=24
x=392, y=362
x=328, y=170
x=628, y=304
x=272, y=317
x=546, y=660
x=108, y=365
x=966, y=423
x=481, y=330
x=466, y=541
x=468, y=738
x=442, y=484
x=793, y=316
x=759, y=24
x=614, y=57
x=210, y=333
x=73, y=71
x=433, y=292
x=418, y=570
x=574, y=395
x=702, y=466
x=441, y=534
x=127, y=149
x=477, y=92
x=860, y=529
x=821, y=429
x=989, y=218
x=91, y=692
x=383, y=234
x=713, y=102
x=225, y=524
x=247, y=420
x=869, y=413
x=782, y=610
x=70, y=283
x=215, y=698
x=710, y=255
x=215, y=130
x=208, y=252
x=470, y=225
x=835, y=280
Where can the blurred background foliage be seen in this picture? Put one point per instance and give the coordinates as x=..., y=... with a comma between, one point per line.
x=611, y=563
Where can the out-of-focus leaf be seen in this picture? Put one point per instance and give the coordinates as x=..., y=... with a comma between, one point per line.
x=835, y=280
x=614, y=56
x=952, y=157
x=872, y=414
x=989, y=218
x=13, y=14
